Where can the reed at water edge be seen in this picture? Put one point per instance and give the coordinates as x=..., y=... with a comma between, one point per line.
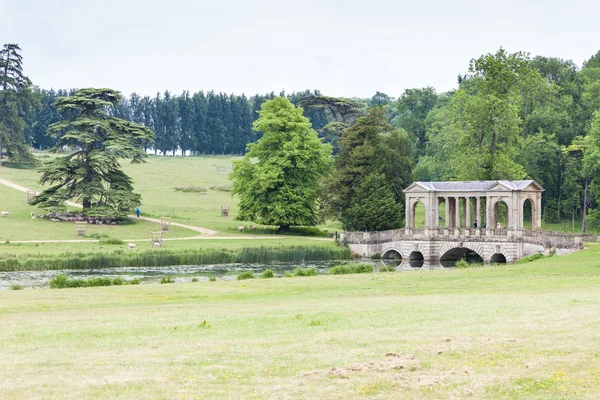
x=163, y=258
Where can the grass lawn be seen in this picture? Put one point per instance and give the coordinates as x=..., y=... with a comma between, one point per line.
x=516, y=331
x=156, y=181
x=20, y=226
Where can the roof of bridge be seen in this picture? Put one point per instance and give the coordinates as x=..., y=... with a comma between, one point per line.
x=475, y=186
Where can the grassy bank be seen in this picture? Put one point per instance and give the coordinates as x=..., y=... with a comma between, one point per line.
x=518, y=331
x=164, y=257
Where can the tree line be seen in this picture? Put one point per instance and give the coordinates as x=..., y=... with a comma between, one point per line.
x=189, y=123
x=512, y=117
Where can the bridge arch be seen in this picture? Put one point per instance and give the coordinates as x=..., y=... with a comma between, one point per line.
x=455, y=254
x=528, y=213
x=418, y=219
x=392, y=254
x=498, y=258
x=501, y=214
x=416, y=259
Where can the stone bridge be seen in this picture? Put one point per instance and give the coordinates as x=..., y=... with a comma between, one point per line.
x=484, y=221
x=482, y=245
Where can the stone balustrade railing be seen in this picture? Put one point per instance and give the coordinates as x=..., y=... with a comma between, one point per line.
x=537, y=236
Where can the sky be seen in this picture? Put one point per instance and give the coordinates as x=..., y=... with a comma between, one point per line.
x=343, y=48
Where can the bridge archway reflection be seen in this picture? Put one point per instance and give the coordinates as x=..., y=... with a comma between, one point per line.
x=392, y=255
x=416, y=259
x=452, y=256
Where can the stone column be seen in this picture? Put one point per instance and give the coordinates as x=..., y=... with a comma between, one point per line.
x=478, y=211
x=538, y=212
x=488, y=216
x=447, y=206
x=468, y=224
x=457, y=215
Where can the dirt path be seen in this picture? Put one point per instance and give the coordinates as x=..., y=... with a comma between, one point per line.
x=204, y=233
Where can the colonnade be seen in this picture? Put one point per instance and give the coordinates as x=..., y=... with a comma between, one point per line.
x=463, y=209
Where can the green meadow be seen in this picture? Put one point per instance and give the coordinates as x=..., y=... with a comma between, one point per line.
x=513, y=331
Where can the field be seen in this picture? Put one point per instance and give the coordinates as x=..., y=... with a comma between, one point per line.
x=156, y=181
x=520, y=331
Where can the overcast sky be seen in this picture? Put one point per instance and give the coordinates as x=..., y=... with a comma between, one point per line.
x=343, y=48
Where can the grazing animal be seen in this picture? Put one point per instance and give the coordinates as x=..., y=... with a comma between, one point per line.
x=32, y=215
x=132, y=246
x=4, y=213
x=241, y=228
x=156, y=244
x=252, y=228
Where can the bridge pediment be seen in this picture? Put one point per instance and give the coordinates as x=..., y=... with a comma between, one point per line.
x=498, y=187
x=418, y=187
x=533, y=187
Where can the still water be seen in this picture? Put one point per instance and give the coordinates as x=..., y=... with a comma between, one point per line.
x=183, y=273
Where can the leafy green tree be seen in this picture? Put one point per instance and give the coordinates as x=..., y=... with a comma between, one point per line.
x=92, y=173
x=486, y=127
x=373, y=207
x=15, y=97
x=380, y=99
x=278, y=180
x=370, y=146
x=411, y=111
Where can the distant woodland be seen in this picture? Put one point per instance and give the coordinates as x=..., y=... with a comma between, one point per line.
x=513, y=116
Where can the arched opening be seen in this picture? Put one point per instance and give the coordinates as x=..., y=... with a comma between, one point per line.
x=452, y=256
x=416, y=259
x=418, y=212
x=442, y=213
x=500, y=216
x=498, y=258
x=528, y=214
x=392, y=255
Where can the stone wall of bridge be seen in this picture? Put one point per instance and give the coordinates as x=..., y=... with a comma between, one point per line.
x=433, y=250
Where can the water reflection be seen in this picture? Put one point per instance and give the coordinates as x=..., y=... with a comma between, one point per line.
x=185, y=273
x=180, y=273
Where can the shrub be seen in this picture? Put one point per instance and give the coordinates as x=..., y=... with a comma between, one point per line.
x=462, y=263
x=134, y=281
x=305, y=271
x=387, y=268
x=222, y=188
x=245, y=275
x=288, y=274
x=96, y=236
x=267, y=273
x=212, y=278
x=194, y=279
x=167, y=279
x=376, y=256
x=110, y=241
x=190, y=189
x=118, y=281
x=98, y=282
x=351, y=269
x=15, y=286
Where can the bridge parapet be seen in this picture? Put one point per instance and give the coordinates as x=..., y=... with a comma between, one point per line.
x=536, y=236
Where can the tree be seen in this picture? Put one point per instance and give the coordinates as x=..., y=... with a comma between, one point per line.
x=369, y=147
x=278, y=179
x=373, y=207
x=411, y=113
x=486, y=125
x=92, y=174
x=15, y=97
